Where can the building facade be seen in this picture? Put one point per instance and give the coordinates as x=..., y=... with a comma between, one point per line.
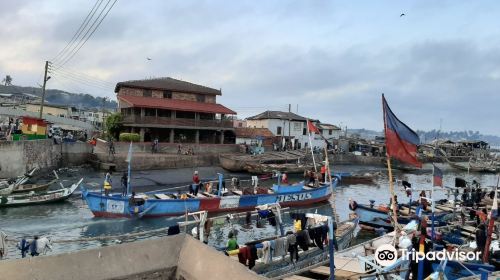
x=289, y=128
x=174, y=111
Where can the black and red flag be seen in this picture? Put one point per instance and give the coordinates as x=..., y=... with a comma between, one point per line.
x=400, y=140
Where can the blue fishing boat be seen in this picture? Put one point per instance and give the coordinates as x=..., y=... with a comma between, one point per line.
x=378, y=217
x=156, y=204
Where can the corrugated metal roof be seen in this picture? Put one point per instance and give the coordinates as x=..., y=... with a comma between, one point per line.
x=278, y=115
x=168, y=83
x=175, y=104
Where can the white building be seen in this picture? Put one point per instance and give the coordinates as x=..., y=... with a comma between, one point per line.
x=291, y=127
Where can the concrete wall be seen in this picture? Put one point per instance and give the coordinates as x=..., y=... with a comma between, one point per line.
x=172, y=257
x=357, y=160
x=17, y=157
x=147, y=161
x=168, y=148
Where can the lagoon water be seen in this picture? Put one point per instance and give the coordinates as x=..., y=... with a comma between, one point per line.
x=73, y=220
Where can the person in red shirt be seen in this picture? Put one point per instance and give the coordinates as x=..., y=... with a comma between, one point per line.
x=284, y=178
x=195, y=184
x=323, y=172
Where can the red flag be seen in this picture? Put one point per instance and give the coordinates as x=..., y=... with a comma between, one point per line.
x=400, y=140
x=437, y=177
x=311, y=127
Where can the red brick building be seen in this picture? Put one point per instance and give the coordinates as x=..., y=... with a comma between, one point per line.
x=174, y=111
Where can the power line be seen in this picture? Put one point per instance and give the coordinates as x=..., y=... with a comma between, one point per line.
x=66, y=60
x=88, y=83
x=83, y=25
x=82, y=76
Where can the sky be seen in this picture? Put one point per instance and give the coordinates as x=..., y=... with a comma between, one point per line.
x=331, y=60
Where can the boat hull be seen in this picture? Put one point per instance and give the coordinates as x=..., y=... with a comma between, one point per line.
x=231, y=164
x=118, y=206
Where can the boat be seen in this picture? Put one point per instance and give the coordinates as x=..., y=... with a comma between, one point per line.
x=264, y=168
x=12, y=184
x=32, y=187
x=353, y=179
x=282, y=267
x=379, y=217
x=473, y=167
x=33, y=198
x=157, y=204
x=232, y=163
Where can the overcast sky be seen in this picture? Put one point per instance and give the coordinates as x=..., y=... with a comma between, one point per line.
x=332, y=58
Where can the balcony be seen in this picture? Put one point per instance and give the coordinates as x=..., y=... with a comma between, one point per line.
x=178, y=122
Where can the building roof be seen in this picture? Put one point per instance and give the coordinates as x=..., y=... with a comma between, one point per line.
x=250, y=132
x=175, y=104
x=327, y=126
x=278, y=115
x=168, y=83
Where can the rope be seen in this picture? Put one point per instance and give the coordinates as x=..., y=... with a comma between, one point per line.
x=104, y=237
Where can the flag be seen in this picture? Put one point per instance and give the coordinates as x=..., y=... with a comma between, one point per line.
x=437, y=177
x=311, y=127
x=400, y=140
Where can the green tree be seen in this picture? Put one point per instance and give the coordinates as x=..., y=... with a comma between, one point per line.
x=114, y=125
x=7, y=81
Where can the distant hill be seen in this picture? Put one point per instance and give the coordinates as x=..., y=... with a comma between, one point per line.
x=59, y=97
x=428, y=136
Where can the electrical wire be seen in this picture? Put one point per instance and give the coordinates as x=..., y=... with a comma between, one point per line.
x=82, y=27
x=83, y=77
x=79, y=46
x=77, y=80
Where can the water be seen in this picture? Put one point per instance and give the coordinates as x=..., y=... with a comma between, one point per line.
x=73, y=220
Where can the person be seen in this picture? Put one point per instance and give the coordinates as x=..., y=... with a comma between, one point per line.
x=93, y=143
x=124, y=182
x=480, y=238
x=423, y=200
x=195, y=184
x=284, y=178
x=179, y=150
x=232, y=243
x=23, y=246
x=131, y=200
x=311, y=177
x=107, y=183
x=111, y=147
x=323, y=171
x=154, y=147
x=85, y=136
x=34, y=246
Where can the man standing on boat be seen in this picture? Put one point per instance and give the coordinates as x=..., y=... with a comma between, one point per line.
x=196, y=183
x=107, y=183
x=124, y=181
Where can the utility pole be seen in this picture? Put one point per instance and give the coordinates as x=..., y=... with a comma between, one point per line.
x=45, y=79
x=289, y=121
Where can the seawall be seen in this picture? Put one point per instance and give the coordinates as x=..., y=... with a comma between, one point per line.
x=17, y=157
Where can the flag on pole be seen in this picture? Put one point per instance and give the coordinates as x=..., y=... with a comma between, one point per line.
x=437, y=177
x=311, y=127
x=400, y=140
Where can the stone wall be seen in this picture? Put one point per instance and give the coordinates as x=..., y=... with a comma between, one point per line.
x=357, y=160
x=170, y=148
x=17, y=157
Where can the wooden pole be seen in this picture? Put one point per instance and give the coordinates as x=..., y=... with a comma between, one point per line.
x=43, y=88
x=331, y=248
x=393, y=200
x=491, y=225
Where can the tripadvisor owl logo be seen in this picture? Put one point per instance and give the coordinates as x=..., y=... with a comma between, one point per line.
x=386, y=255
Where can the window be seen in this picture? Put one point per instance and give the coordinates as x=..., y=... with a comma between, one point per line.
x=147, y=93
x=240, y=125
x=330, y=131
x=304, y=131
x=200, y=98
x=278, y=130
x=167, y=94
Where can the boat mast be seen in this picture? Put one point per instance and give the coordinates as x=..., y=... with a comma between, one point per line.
x=491, y=224
x=129, y=160
x=310, y=145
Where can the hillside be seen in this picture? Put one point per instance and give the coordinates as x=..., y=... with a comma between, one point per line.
x=59, y=97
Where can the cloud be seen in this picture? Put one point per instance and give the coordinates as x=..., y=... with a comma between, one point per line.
x=332, y=59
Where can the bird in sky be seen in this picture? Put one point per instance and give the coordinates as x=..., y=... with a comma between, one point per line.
x=402, y=15
x=148, y=58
